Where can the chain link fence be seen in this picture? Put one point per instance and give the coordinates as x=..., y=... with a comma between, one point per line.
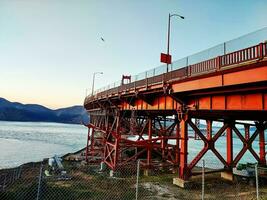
x=81, y=181
x=20, y=182
x=157, y=183
x=222, y=184
x=206, y=183
x=261, y=182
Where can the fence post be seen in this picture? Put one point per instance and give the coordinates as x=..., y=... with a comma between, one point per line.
x=17, y=172
x=260, y=51
x=257, y=180
x=39, y=182
x=4, y=184
x=137, y=179
x=20, y=170
x=13, y=175
x=218, y=63
x=188, y=70
x=203, y=180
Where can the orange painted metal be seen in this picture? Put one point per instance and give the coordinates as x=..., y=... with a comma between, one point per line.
x=183, y=171
x=229, y=146
x=262, y=143
x=242, y=102
x=227, y=102
x=245, y=76
x=227, y=88
x=201, y=83
x=149, y=151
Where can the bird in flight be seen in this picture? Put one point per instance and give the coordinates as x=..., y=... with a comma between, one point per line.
x=102, y=39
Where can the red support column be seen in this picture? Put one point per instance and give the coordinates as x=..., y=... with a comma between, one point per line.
x=149, y=150
x=229, y=146
x=106, y=123
x=247, y=135
x=117, y=140
x=177, y=150
x=262, y=144
x=92, y=144
x=116, y=157
x=209, y=130
x=163, y=142
x=197, y=123
x=87, y=145
x=183, y=172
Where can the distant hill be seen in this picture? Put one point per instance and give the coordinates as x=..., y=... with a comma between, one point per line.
x=14, y=111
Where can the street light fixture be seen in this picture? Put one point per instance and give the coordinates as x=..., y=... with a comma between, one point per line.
x=169, y=27
x=93, y=84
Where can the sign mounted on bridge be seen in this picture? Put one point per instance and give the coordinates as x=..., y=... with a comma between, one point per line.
x=165, y=58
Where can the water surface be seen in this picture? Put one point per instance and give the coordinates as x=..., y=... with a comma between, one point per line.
x=22, y=142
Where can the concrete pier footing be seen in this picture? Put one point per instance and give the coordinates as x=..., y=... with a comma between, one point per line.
x=180, y=182
x=227, y=175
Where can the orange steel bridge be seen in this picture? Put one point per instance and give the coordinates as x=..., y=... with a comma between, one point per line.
x=139, y=119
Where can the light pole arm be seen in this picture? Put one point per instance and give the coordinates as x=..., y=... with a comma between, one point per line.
x=169, y=29
x=182, y=17
x=168, y=39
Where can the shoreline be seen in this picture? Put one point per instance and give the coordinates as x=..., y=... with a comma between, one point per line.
x=32, y=163
x=41, y=122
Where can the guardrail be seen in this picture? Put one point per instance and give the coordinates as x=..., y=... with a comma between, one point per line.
x=231, y=46
x=250, y=53
x=215, y=64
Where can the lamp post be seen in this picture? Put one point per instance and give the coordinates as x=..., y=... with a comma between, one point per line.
x=169, y=27
x=93, y=84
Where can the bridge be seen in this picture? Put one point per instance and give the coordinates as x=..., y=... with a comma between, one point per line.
x=153, y=116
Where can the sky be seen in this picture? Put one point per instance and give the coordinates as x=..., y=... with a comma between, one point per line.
x=49, y=49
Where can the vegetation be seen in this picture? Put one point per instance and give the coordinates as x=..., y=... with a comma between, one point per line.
x=88, y=183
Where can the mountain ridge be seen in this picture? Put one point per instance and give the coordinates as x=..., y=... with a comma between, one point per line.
x=15, y=111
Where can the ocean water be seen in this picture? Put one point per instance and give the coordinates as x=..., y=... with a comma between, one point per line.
x=211, y=160
x=22, y=142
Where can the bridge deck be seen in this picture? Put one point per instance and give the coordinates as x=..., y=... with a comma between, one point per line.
x=226, y=88
x=235, y=81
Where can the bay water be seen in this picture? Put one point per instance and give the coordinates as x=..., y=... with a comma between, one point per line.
x=22, y=142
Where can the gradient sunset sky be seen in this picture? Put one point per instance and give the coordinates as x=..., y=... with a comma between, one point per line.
x=49, y=49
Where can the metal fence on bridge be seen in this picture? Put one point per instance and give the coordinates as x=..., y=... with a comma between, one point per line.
x=248, y=47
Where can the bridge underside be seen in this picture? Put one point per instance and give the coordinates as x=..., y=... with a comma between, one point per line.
x=154, y=122
x=164, y=138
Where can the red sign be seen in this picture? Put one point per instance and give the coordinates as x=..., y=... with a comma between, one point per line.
x=165, y=58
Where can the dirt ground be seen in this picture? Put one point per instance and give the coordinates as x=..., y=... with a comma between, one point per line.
x=215, y=188
x=88, y=183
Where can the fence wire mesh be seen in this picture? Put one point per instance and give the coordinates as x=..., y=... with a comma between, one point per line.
x=20, y=183
x=133, y=181
x=222, y=184
x=157, y=183
x=262, y=182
